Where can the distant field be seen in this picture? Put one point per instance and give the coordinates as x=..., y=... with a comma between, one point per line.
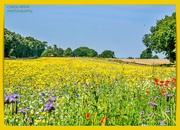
x=146, y=61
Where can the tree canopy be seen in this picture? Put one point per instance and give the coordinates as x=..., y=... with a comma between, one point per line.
x=18, y=46
x=53, y=51
x=84, y=52
x=68, y=52
x=146, y=54
x=163, y=37
x=107, y=54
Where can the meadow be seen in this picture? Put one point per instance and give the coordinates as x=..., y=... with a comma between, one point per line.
x=87, y=92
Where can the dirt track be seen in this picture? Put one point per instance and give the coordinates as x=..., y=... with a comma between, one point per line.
x=146, y=61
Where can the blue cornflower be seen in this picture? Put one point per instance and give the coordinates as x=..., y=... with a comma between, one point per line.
x=43, y=94
x=77, y=95
x=43, y=99
x=15, y=92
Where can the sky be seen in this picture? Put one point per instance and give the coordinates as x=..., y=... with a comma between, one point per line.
x=119, y=28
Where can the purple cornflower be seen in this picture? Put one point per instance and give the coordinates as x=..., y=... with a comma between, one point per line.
x=141, y=113
x=156, y=97
x=16, y=95
x=22, y=111
x=167, y=111
x=162, y=122
x=169, y=95
x=51, y=99
x=153, y=104
x=10, y=98
x=151, y=114
x=49, y=106
x=49, y=93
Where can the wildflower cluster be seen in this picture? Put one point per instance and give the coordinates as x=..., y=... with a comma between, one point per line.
x=87, y=91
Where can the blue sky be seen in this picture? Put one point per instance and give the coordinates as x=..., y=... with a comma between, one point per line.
x=119, y=28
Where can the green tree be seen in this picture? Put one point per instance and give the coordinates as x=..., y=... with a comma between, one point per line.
x=163, y=37
x=92, y=53
x=146, y=54
x=155, y=57
x=84, y=52
x=60, y=52
x=68, y=52
x=107, y=54
x=79, y=52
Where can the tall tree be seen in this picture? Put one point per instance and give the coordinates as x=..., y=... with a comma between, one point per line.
x=163, y=37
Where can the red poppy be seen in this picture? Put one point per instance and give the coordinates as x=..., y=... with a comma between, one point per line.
x=174, y=81
x=167, y=82
x=87, y=115
x=97, y=84
x=156, y=80
x=147, y=91
x=161, y=81
x=162, y=91
x=157, y=84
x=168, y=87
x=103, y=120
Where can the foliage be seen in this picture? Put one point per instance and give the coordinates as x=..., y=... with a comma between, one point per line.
x=18, y=46
x=130, y=57
x=84, y=52
x=155, y=57
x=146, y=54
x=107, y=54
x=163, y=37
x=55, y=51
x=68, y=52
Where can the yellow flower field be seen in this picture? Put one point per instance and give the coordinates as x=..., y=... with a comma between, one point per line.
x=101, y=88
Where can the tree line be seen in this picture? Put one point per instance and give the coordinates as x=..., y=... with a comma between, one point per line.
x=22, y=47
x=161, y=39
x=18, y=46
